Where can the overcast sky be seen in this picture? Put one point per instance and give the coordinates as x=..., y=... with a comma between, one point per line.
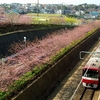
x=74, y=2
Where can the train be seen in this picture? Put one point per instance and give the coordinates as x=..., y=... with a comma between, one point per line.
x=91, y=71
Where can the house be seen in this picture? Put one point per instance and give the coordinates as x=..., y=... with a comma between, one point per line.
x=88, y=16
x=94, y=14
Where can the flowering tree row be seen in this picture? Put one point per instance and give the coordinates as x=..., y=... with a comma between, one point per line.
x=37, y=52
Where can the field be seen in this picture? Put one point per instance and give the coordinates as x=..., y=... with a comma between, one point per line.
x=53, y=19
x=15, y=22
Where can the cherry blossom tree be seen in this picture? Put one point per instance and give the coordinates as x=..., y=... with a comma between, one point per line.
x=38, y=52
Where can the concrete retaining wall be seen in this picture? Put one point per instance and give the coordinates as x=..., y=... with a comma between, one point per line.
x=40, y=88
x=31, y=35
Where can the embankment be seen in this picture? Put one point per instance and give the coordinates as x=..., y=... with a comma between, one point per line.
x=44, y=84
x=11, y=37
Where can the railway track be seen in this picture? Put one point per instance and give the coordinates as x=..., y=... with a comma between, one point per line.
x=66, y=88
x=84, y=93
x=88, y=94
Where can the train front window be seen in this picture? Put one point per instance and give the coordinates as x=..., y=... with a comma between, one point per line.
x=90, y=73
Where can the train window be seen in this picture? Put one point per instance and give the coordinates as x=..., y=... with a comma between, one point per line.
x=90, y=73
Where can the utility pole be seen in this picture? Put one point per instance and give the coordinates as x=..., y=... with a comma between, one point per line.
x=61, y=9
x=37, y=7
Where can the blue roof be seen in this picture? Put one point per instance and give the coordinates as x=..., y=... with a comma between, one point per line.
x=14, y=10
x=94, y=13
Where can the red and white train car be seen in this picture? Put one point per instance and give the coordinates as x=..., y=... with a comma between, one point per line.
x=91, y=71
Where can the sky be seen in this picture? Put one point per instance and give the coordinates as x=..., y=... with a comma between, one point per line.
x=74, y=2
